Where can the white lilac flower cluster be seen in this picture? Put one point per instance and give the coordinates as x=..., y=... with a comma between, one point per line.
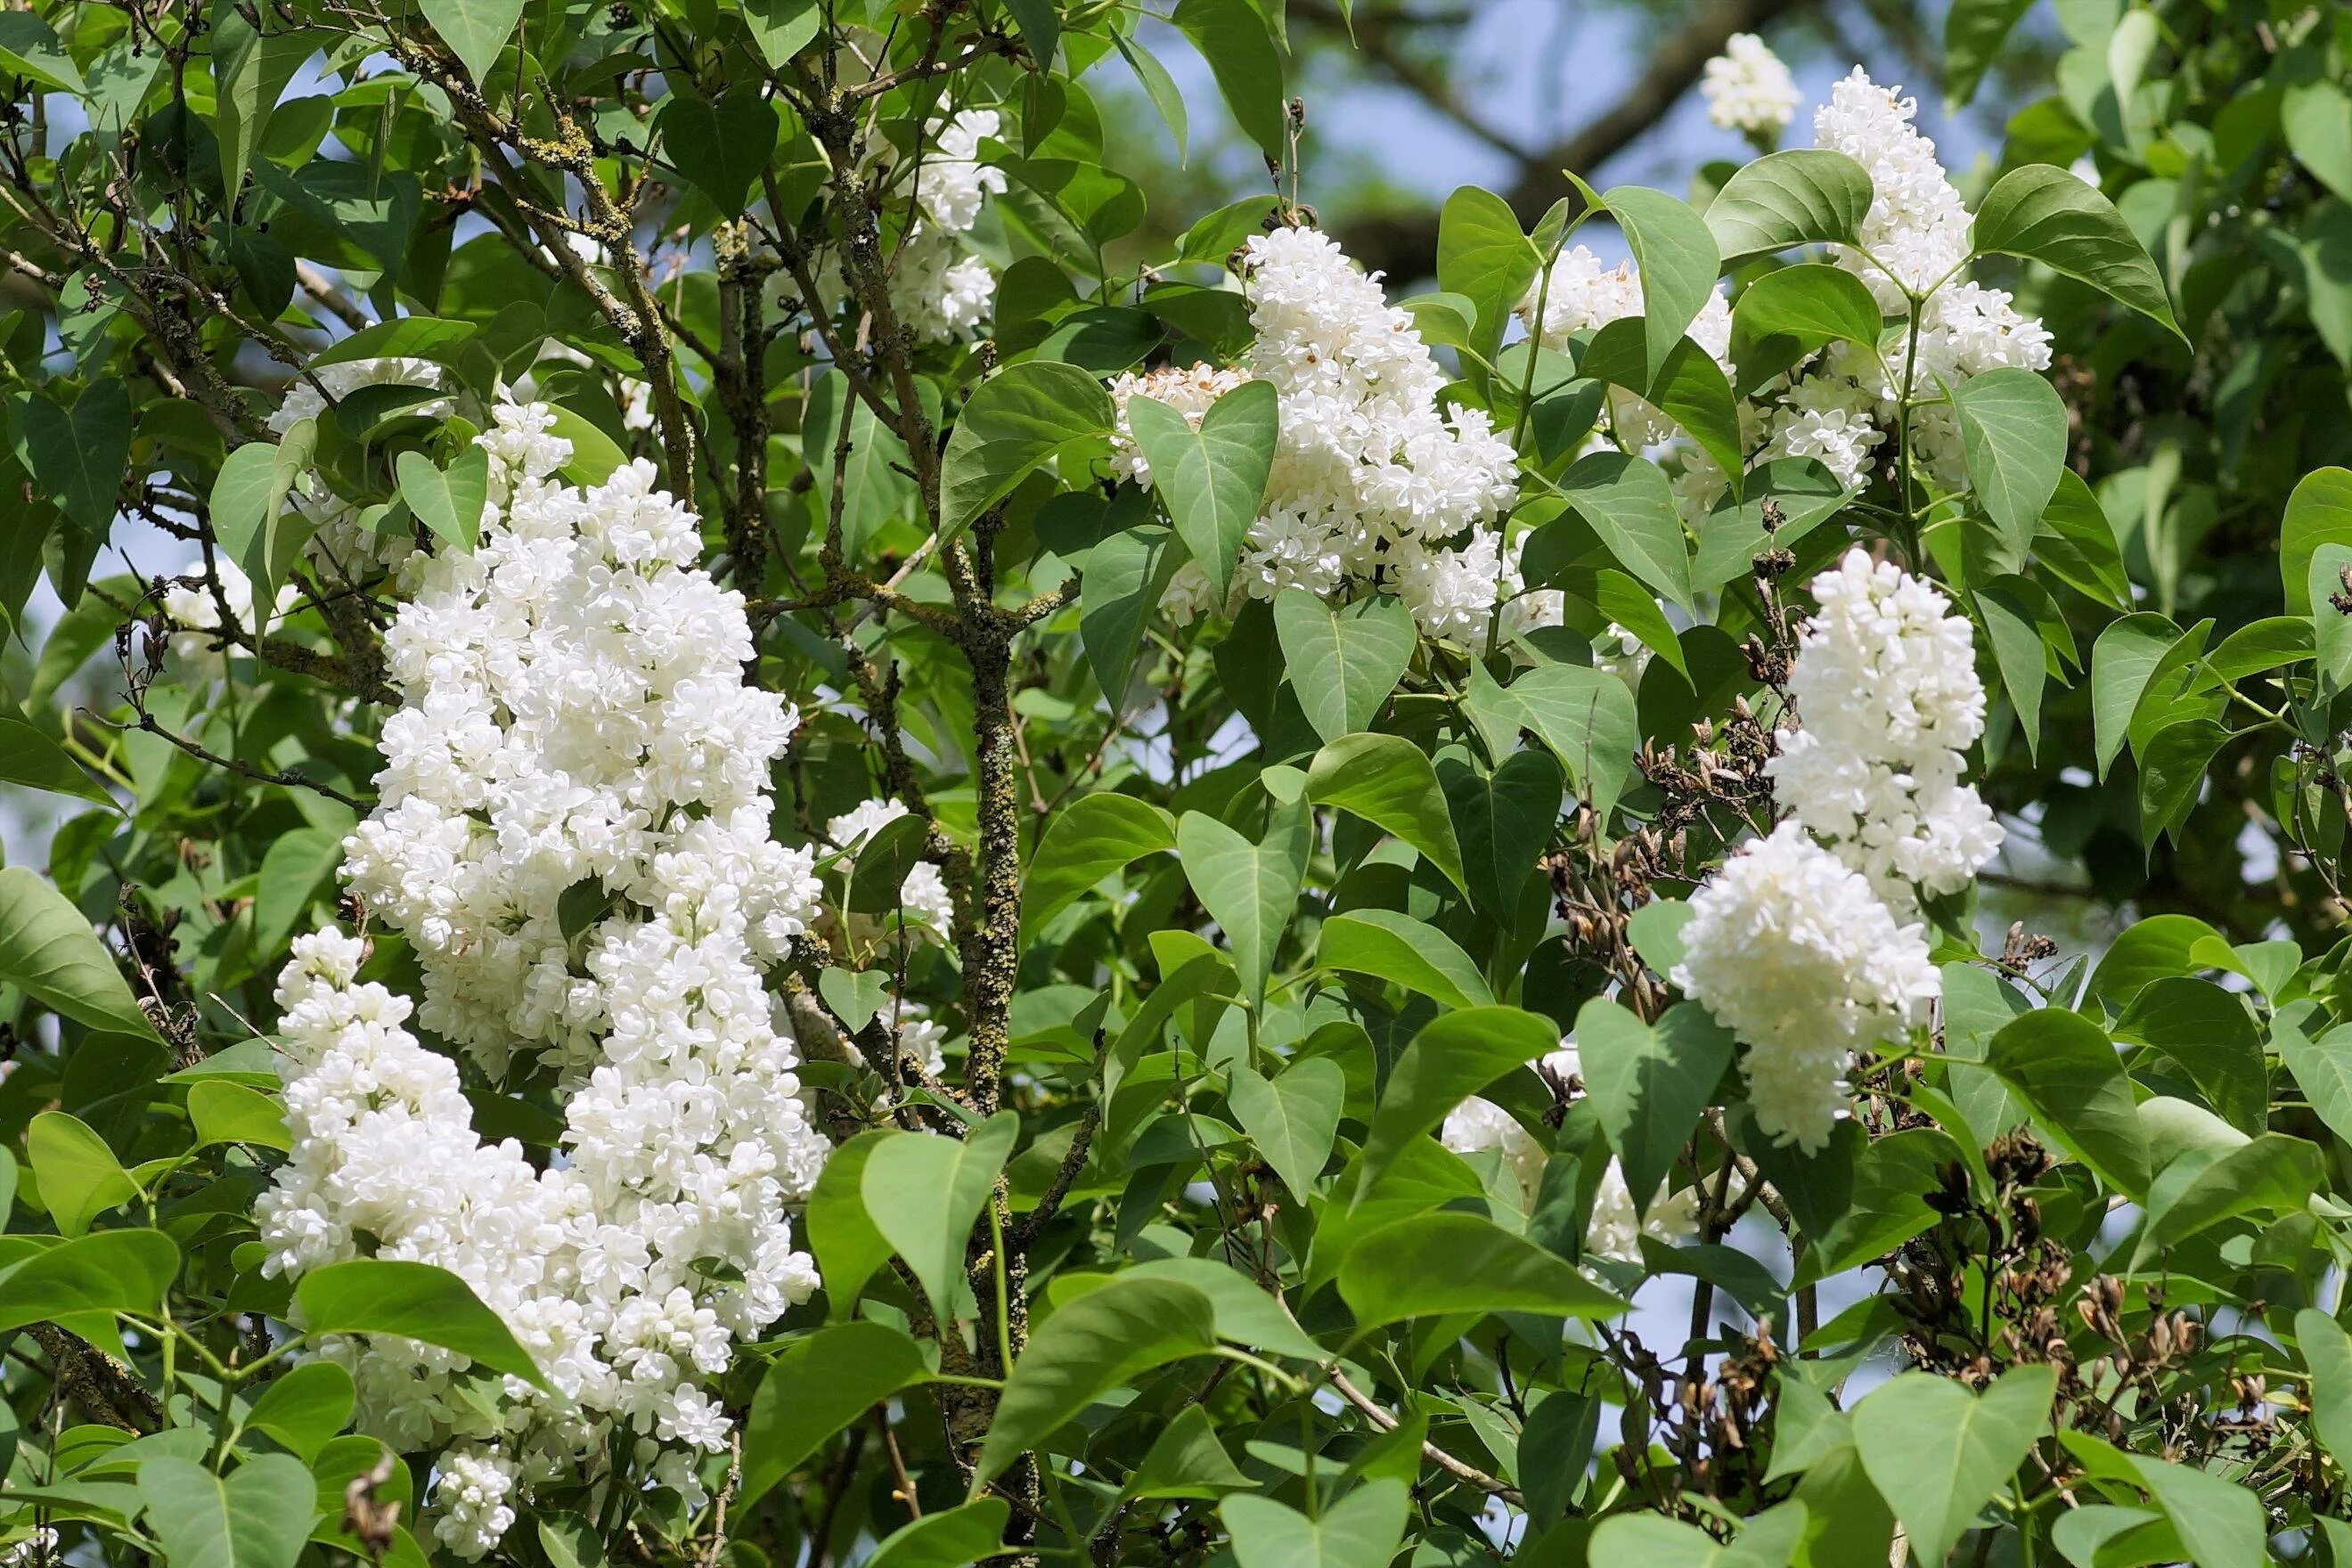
x=1747, y=89
x=1373, y=489
x=1840, y=406
x=576, y=746
x=1615, y=1229
x=939, y=290
x=1806, y=943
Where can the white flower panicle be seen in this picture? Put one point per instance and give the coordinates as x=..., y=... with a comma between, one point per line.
x=1615, y=1230
x=1747, y=89
x=576, y=747
x=937, y=289
x=1373, y=485
x=1793, y=952
x=1887, y=696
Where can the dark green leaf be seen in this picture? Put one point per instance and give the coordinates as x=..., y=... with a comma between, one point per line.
x=1085, y=841
x=1803, y=196
x=80, y=453
x=1018, y=420
x=2046, y=215
x=818, y=1386
x=1435, y=1265
x=2064, y=1068
x=1390, y=783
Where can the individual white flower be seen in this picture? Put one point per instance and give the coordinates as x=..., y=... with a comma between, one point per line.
x=1794, y=953
x=1747, y=89
x=952, y=182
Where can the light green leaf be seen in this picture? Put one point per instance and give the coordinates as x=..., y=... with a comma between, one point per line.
x=2171, y=770
x=781, y=28
x=305, y=1408
x=2123, y=662
x=413, y=1300
x=1393, y=946
x=297, y=863
x=447, y=500
x=1435, y=1265
x=1249, y=890
x=30, y=48
x=1098, y=1343
x=30, y=759
x=1938, y=1453
x=923, y=1192
x=2044, y=214
x=257, y=526
x=1772, y=1540
x=223, y=1113
x=79, y=1176
x=2318, y=512
x=1159, y=87
x=1292, y=1118
x=2147, y=950
x=475, y=30
x=2007, y=607
x=2328, y=1352
x=816, y=1386
x=2065, y=1069
x=2321, y=1068
x=1802, y=196
x=1342, y=660
x=1452, y=1057
x=2271, y=1174
x=1676, y=255
x=1233, y=38
x=1630, y=505
x=1390, y=783
x=1649, y=1084
x=110, y=1271
x=2317, y=118
x=1483, y=256
x=847, y=1245
x=950, y=1539
x=1815, y=303
x=1186, y=1460
x=1212, y=478
x=2013, y=437
x=1017, y=420
x=1085, y=841
x=2220, y=1525
x=1360, y=1530
x=259, y=1516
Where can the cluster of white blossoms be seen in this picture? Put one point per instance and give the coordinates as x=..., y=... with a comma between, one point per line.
x=1806, y=943
x=1373, y=489
x=1840, y=407
x=199, y=650
x=1747, y=89
x=572, y=837
x=939, y=290
x=1616, y=1228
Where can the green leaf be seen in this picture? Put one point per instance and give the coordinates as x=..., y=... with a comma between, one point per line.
x=1974, y=33
x=79, y=1176
x=305, y=1408
x=448, y=501
x=950, y=1539
x=1689, y=387
x=1212, y=478
x=2147, y=950
x=2013, y=437
x=2209, y=1035
x=719, y=144
x=2006, y=606
x=2317, y=118
x=2328, y=1352
x=2171, y=769
x=847, y=1245
x=1292, y=1118
x=1159, y=87
x=1454, y=1057
x=2077, y=544
x=475, y=30
x=2066, y=1071
x=1649, y=1084
x=1435, y=1265
x=1186, y=1460
x=110, y=1271
x=1342, y=660
x=924, y=1190
x=1361, y=1530
x=290, y=874
x=1126, y=575
x=1249, y=890
x=2123, y=662
x=32, y=760
x=1085, y=841
x=2322, y=1068
x=1802, y=196
x=29, y=49
x=1815, y=303
x=413, y=1300
x=2044, y=214
x=878, y=872
x=2272, y=1174
x=256, y=526
x=1099, y=1342
x=781, y=28
x=80, y=453
x=1630, y=505
x=816, y=1386
x=1676, y=256
x=1938, y=1453
x=1588, y=720
x=223, y=1113
x=1233, y=38
x=1483, y=255
x=2220, y=1525
x=251, y=71
x=1503, y=820
x=2318, y=512
x=259, y=1516
x=1393, y=946
x=1017, y=420
x=1390, y=783
x=1772, y=1540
